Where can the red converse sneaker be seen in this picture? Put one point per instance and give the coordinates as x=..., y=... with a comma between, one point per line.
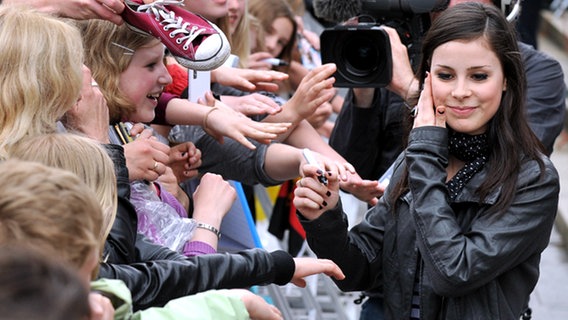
x=195, y=42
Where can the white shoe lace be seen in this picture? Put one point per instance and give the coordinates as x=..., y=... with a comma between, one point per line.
x=169, y=20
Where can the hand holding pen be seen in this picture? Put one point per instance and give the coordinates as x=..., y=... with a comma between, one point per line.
x=309, y=156
x=318, y=190
x=275, y=62
x=264, y=61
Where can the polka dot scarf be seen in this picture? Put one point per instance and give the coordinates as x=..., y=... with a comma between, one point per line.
x=473, y=150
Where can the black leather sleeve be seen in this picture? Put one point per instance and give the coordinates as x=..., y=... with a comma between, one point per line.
x=155, y=274
x=154, y=283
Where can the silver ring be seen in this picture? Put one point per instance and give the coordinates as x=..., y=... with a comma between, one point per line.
x=414, y=112
x=300, y=183
x=155, y=165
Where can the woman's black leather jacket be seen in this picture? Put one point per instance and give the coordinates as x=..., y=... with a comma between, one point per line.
x=471, y=264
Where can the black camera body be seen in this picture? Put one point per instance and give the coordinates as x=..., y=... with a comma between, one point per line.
x=362, y=51
x=362, y=54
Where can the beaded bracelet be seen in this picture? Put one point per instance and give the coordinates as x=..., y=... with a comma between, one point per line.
x=209, y=227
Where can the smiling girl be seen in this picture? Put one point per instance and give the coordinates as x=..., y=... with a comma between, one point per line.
x=130, y=71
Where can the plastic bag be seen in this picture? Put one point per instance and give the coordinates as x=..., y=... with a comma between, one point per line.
x=158, y=220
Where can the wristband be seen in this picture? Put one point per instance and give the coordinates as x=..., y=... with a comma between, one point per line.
x=209, y=227
x=206, y=117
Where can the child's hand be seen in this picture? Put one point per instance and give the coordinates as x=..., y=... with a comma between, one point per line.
x=185, y=159
x=226, y=122
x=146, y=157
x=101, y=307
x=212, y=199
x=256, y=306
x=248, y=79
x=320, y=115
x=252, y=104
x=171, y=184
x=365, y=190
x=315, y=89
x=310, y=266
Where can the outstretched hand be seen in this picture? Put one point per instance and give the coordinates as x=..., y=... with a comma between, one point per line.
x=320, y=115
x=256, y=306
x=315, y=89
x=365, y=190
x=248, y=79
x=101, y=307
x=252, y=104
x=311, y=266
x=226, y=122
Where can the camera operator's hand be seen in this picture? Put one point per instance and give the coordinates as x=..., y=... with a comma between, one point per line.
x=403, y=81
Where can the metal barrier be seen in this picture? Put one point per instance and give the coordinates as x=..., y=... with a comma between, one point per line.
x=319, y=300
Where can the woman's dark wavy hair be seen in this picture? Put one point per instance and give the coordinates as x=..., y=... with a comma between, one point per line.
x=511, y=140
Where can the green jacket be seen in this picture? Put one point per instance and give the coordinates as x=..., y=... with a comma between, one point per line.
x=213, y=304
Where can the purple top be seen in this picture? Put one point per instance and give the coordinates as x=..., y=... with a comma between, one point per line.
x=196, y=248
x=169, y=198
x=160, y=110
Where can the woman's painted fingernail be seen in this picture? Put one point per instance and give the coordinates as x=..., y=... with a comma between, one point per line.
x=328, y=193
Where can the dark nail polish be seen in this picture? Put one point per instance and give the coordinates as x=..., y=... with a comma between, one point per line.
x=325, y=204
x=319, y=172
x=328, y=193
x=330, y=173
x=321, y=207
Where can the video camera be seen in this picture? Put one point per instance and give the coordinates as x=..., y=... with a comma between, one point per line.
x=362, y=51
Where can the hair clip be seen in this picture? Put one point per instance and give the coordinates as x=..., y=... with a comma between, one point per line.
x=130, y=51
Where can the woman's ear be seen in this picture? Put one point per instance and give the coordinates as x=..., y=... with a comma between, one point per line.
x=505, y=85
